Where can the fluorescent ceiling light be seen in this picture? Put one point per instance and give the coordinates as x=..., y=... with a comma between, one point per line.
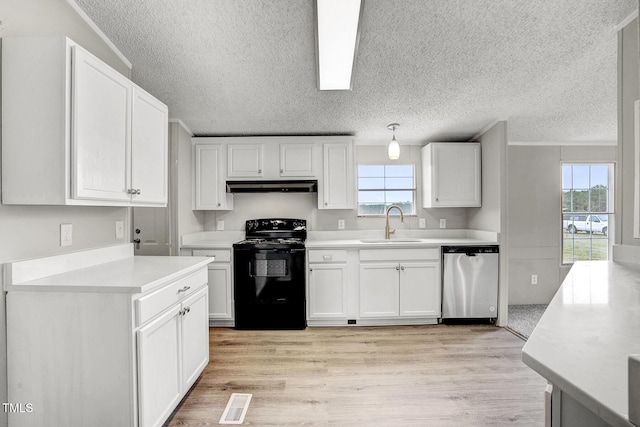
x=337, y=34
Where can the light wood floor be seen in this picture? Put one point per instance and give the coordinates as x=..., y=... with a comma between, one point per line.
x=384, y=376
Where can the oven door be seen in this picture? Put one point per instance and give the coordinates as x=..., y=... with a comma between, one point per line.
x=269, y=275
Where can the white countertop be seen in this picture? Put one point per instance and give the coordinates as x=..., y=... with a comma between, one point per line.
x=353, y=239
x=586, y=335
x=112, y=269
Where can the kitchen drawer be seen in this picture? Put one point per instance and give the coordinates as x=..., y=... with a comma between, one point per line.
x=331, y=255
x=400, y=254
x=218, y=255
x=157, y=301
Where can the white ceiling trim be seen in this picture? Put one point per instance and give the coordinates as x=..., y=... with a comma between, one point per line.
x=627, y=20
x=486, y=128
x=565, y=143
x=99, y=32
x=181, y=123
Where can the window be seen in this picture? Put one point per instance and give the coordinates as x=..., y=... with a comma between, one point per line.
x=380, y=186
x=587, y=211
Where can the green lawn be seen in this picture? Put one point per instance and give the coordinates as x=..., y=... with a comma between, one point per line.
x=584, y=246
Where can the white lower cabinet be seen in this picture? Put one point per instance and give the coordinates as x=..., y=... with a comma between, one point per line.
x=379, y=290
x=327, y=292
x=159, y=382
x=220, y=282
x=195, y=337
x=172, y=351
x=420, y=289
x=107, y=358
x=400, y=283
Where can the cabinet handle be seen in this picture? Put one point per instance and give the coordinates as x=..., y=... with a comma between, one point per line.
x=310, y=270
x=397, y=268
x=138, y=191
x=218, y=204
x=131, y=191
x=259, y=170
x=281, y=170
x=185, y=289
x=326, y=203
x=402, y=268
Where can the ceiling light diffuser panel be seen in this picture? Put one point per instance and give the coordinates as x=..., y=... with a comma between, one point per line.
x=337, y=33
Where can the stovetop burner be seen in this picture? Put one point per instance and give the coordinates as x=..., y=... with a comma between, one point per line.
x=277, y=233
x=271, y=243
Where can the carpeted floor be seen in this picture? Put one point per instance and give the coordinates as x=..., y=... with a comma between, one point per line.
x=523, y=318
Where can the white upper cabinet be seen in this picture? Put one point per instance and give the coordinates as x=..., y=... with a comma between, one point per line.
x=296, y=160
x=149, y=149
x=272, y=158
x=209, y=177
x=101, y=129
x=337, y=184
x=77, y=132
x=451, y=175
x=245, y=160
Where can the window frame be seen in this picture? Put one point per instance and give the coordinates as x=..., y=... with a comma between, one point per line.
x=413, y=190
x=610, y=213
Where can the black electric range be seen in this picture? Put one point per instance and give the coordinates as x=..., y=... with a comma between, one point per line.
x=269, y=275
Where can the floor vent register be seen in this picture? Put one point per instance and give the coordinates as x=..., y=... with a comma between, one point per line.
x=236, y=408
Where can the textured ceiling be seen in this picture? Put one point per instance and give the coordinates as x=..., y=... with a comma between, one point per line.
x=443, y=69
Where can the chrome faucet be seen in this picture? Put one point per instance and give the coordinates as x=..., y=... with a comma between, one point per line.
x=388, y=232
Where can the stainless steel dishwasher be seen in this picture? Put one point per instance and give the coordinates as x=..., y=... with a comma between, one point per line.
x=469, y=282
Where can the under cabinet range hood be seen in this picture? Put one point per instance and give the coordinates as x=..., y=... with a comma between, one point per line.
x=275, y=186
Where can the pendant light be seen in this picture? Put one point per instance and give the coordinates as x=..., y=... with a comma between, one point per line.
x=394, y=147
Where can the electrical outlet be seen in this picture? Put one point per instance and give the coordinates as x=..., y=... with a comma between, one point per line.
x=66, y=234
x=220, y=226
x=443, y=223
x=422, y=223
x=534, y=279
x=119, y=229
x=341, y=224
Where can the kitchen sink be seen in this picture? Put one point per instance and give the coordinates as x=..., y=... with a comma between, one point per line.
x=390, y=240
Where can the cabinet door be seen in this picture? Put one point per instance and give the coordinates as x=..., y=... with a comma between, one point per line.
x=338, y=184
x=220, y=292
x=452, y=175
x=101, y=130
x=208, y=180
x=420, y=289
x=195, y=337
x=149, y=149
x=245, y=160
x=379, y=287
x=159, y=375
x=296, y=160
x=327, y=291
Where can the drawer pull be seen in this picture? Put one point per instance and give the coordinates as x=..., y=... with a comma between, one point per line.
x=185, y=289
x=327, y=257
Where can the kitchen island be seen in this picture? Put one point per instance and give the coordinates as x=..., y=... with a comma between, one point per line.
x=103, y=338
x=583, y=342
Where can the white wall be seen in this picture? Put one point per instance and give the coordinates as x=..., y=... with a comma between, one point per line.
x=247, y=206
x=628, y=92
x=186, y=220
x=492, y=215
x=32, y=231
x=535, y=221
